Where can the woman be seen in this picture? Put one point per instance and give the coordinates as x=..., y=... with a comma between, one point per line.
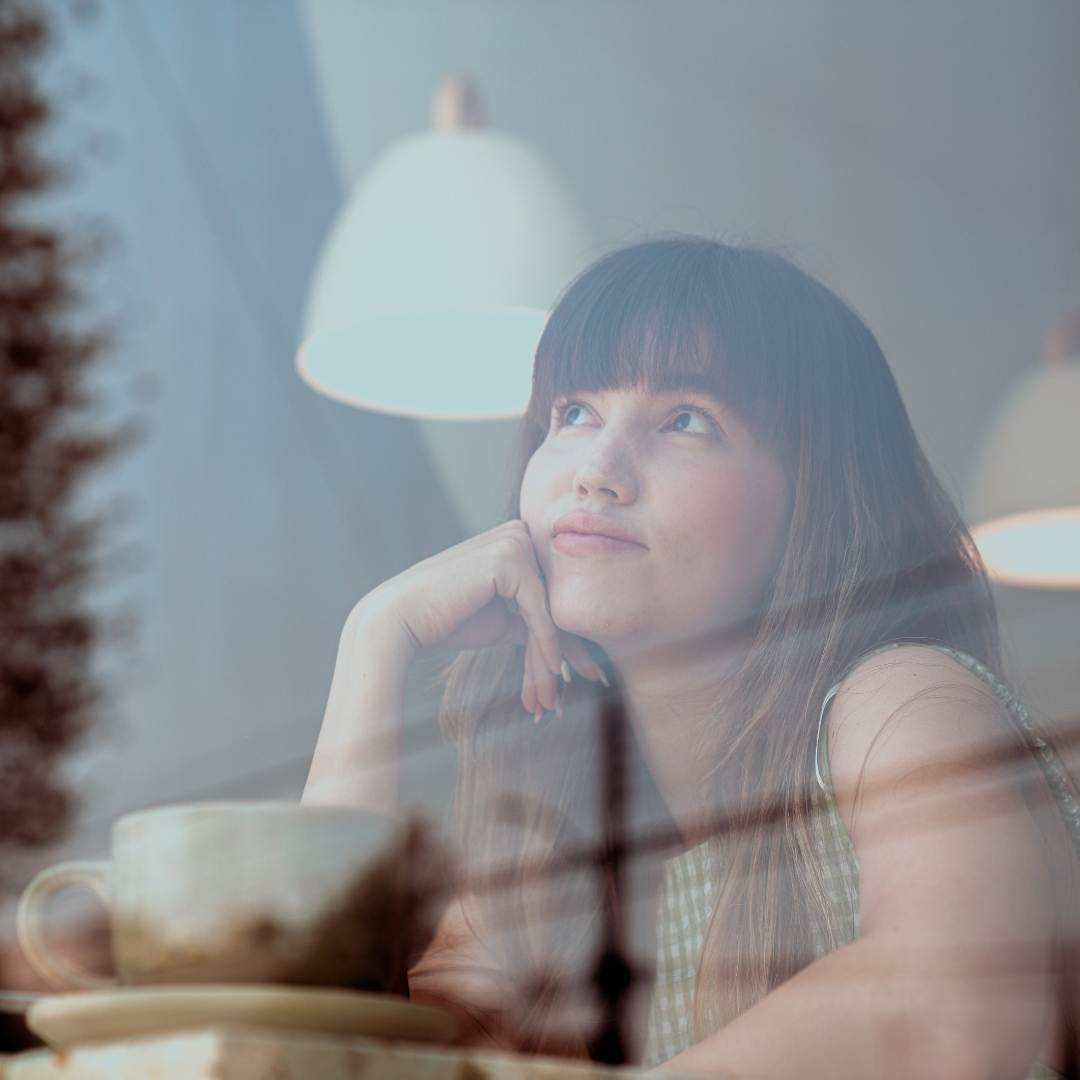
x=856, y=857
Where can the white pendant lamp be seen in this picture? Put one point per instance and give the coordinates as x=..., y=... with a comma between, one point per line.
x=435, y=281
x=1024, y=497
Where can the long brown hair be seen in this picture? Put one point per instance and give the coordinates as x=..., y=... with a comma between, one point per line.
x=876, y=551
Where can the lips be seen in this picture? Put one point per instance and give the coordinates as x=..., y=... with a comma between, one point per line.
x=584, y=523
x=575, y=543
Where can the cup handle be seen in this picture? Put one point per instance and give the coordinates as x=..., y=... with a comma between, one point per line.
x=59, y=971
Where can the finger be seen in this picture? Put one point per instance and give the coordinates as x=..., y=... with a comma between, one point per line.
x=514, y=582
x=528, y=694
x=546, y=688
x=579, y=657
x=533, y=607
x=539, y=676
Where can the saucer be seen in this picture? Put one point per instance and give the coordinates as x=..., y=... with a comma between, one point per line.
x=67, y=1020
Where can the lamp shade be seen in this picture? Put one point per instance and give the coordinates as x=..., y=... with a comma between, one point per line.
x=1024, y=496
x=433, y=287
x=434, y=283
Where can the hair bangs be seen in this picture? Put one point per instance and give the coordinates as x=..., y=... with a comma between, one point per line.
x=665, y=323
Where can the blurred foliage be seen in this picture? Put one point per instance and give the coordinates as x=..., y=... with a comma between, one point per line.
x=48, y=693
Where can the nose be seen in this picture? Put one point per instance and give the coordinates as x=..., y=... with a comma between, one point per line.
x=584, y=487
x=605, y=472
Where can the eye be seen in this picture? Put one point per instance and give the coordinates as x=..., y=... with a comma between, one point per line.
x=710, y=422
x=560, y=413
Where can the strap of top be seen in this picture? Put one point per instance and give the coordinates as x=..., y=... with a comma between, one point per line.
x=821, y=755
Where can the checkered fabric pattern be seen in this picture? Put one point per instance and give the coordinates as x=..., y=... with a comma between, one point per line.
x=688, y=882
x=686, y=900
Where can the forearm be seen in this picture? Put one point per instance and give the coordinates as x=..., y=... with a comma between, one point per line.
x=356, y=758
x=841, y=1016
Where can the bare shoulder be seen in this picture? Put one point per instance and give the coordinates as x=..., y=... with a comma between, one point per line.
x=915, y=707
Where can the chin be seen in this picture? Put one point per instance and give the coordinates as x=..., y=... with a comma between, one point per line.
x=596, y=619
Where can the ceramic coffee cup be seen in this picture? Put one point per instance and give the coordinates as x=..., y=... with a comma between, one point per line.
x=214, y=892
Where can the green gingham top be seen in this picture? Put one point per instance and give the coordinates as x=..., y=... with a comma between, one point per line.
x=687, y=889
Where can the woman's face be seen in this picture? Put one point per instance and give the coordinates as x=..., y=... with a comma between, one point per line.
x=709, y=505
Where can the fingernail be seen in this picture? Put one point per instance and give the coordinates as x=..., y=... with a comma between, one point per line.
x=565, y=669
x=539, y=712
x=604, y=679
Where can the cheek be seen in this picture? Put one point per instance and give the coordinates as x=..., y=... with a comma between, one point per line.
x=535, y=497
x=739, y=529
x=527, y=499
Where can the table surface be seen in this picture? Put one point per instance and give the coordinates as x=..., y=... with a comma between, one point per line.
x=260, y=1054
